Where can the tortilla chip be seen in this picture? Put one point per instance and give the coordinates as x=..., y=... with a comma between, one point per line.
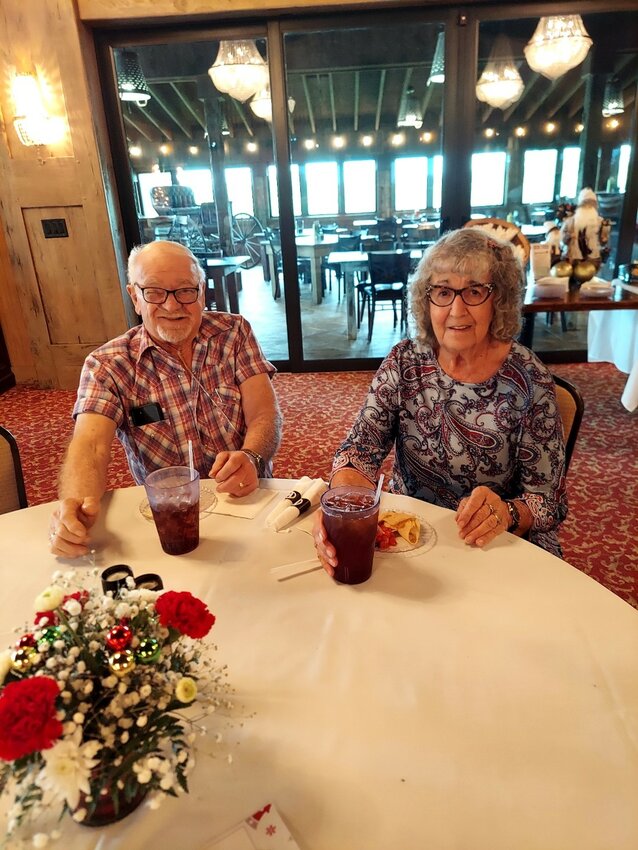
x=406, y=525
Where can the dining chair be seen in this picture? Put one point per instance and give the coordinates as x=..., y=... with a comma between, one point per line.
x=387, y=287
x=570, y=408
x=345, y=242
x=12, y=491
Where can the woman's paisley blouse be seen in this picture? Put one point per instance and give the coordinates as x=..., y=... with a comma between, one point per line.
x=450, y=436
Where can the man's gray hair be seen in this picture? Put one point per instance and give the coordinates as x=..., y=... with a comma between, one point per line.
x=139, y=251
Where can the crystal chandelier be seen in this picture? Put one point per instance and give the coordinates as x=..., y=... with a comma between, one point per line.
x=261, y=104
x=239, y=69
x=559, y=43
x=131, y=82
x=410, y=114
x=500, y=85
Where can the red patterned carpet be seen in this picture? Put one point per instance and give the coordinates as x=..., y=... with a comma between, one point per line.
x=598, y=537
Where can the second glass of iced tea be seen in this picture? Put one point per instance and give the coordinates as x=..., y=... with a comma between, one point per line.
x=350, y=517
x=173, y=495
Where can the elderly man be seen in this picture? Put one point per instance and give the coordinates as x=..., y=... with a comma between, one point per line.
x=182, y=375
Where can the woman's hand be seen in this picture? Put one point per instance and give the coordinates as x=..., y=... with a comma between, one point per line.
x=235, y=473
x=326, y=552
x=481, y=517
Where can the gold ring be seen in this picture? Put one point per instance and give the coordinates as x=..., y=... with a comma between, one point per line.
x=241, y=485
x=493, y=512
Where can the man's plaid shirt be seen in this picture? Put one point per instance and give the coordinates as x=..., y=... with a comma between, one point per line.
x=132, y=370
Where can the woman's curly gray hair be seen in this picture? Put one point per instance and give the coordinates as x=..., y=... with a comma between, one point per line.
x=472, y=251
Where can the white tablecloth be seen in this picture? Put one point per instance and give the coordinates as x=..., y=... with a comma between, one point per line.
x=459, y=700
x=612, y=337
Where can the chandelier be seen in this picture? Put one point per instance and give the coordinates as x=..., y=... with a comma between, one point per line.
x=437, y=71
x=261, y=104
x=500, y=85
x=239, y=69
x=131, y=82
x=410, y=114
x=613, y=103
x=559, y=44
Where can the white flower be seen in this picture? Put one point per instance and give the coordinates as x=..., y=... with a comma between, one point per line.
x=186, y=689
x=40, y=839
x=68, y=766
x=5, y=665
x=49, y=599
x=73, y=607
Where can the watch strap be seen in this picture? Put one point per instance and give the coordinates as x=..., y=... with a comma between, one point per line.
x=515, y=517
x=258, y=460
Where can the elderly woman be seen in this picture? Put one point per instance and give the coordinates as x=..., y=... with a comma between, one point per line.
x=470, y=412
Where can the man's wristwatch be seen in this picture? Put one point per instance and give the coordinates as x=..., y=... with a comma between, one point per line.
x=515, y=517
x=258, y=460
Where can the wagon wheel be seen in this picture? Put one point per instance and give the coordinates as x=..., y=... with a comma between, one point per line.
x=247, y=235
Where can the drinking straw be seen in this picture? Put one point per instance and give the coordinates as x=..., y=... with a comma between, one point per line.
x=379, y=486
x=190, y=459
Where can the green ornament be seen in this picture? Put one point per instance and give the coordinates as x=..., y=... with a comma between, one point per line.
x=148, y=651
x=50, y=635
x=22, y=659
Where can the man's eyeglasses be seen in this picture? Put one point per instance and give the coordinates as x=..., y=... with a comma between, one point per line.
x=154, y=295
x=443, y=296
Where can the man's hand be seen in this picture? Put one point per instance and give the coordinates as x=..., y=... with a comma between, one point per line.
x=235, y=473
x=70, y=524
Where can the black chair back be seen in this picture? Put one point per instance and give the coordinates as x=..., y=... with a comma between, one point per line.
x=389, y=268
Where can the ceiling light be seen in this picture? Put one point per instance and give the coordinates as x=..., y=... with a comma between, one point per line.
x=398, y=139
x=238, y=69
x=164, y=149
x=613, y=103
x=559, y=44
x=550, y=127
x=437, y=72
x=338, y=142
x=500, y=85
x=135, y=151
x=410, y=114
x=310, y=144
x=489, y=133
x=427, y=136
x=261, y=104
x=613, y=123
x=131, y=82
x=193, y=149
x=251, y=147
x=366, y=141
x=520, y=132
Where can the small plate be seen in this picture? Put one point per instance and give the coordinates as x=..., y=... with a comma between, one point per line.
x=426, y=541
x=207, y=502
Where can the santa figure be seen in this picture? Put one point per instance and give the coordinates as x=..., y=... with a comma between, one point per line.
x=585, y=233
x=553, y=239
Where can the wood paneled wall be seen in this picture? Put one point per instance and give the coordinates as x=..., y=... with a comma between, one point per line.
x=59, y=297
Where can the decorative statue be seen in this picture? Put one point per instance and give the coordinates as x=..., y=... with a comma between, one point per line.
x=585, y=234
x=553, y=239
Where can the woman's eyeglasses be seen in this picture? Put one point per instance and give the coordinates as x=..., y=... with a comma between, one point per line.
x=443, y=296
x=154, y=295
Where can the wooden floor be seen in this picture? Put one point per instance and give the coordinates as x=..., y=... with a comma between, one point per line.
x=324, y=325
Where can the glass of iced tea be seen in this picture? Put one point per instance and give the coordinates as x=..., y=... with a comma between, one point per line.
x=350, y=517
x=173, y=495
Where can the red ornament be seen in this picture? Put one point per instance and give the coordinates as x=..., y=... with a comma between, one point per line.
x=26, y=640
x=119, y=638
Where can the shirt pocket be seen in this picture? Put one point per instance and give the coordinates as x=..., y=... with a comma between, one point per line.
x=156, y=444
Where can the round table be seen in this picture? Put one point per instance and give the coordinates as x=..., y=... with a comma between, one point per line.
x=482, y=700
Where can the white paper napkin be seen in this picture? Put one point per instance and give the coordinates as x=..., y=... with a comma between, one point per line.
x=247, y=507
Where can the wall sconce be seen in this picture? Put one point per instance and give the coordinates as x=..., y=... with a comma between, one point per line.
x=500, y=84
x=238, y=69
x=32, y=123
x=131, y=82
x=559, y=43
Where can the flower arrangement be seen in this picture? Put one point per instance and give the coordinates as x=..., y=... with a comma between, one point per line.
x=101, y=699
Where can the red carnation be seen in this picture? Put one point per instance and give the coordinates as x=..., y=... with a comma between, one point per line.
x=27, y=717
x=185, y=613
x=80, y=596
x=45, y=618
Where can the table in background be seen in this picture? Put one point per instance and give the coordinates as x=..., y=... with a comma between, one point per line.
x=613, y=338
x=481, y=700
x=352, y=262
x=572, y=301
x=309, y=248
x=222, y=271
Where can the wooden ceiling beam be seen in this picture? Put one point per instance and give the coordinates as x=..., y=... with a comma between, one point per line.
x=161, y=102
x=311, y=114
x=377, y=119
x=188, y=105
x=137, y=126
x=331, y=94
x=404, y=91
x=165, y=131
x=357, y=94
x=240, y=111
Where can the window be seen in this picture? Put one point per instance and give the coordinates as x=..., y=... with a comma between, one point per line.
x=239, y=185
x=569, y=173
x=488, y=179
x=360, y=185
x=437, y=181
x=539, y=171
x=410, y=183
x=322, y=186
x=274, y=193
x=623, y=167
x=199, y=180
